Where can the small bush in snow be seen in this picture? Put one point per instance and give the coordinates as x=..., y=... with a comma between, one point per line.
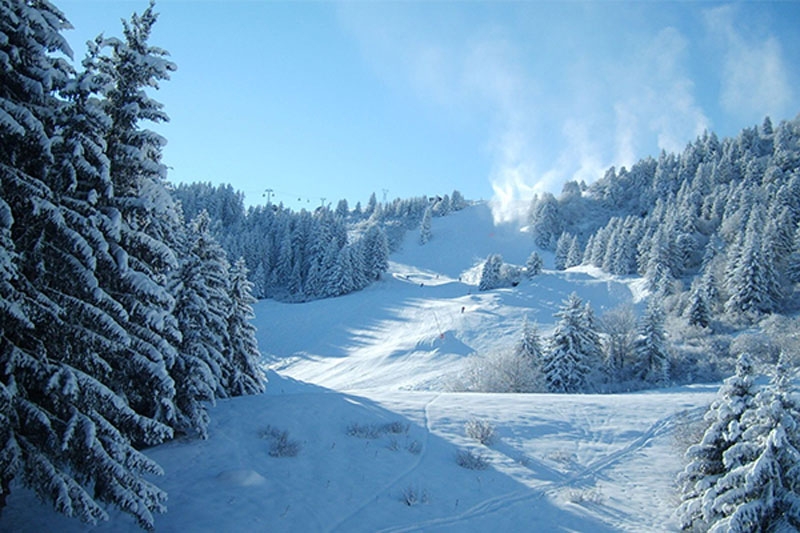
x=376, y=431
x=365, y=431
x=579, y=496
x=412, y=495
x=471, y=461
x=280, y=443
x=480, y=430
x=414, y=447
x=560, y=456
x=395, y=427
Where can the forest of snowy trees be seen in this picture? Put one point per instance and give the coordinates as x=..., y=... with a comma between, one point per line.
x=715, y=234
x=715, y=227
x=118, y=319
x=300, y=256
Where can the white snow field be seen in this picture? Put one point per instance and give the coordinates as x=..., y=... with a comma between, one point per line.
x=360, y=386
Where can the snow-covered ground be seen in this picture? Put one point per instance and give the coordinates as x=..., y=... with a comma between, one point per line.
x=359, y=383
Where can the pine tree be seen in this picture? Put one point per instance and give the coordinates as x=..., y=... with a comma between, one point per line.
x=203, y=370
x=760, y=487
x=706, y=459
x=699, y=313
x=376, y=252
x=533, y=266
x=490, y=273
x=562, y=251
x=566, y=363
x=69, y=432
x=545, y=220
x=574, y=254
x=528, y=355
x=425, y=227
x=247, y=377
x=457, y=201
x=752, y=283
x=652, y=357
x=147, y=222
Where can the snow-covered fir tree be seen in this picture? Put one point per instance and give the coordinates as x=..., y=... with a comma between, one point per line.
x=491, y=276
x=562, y=251
x=425, y=227
x=247, y=377
x=533, y=265
x=146, y=219
x=652, y=356
x=376, y=252
x=699, y=313
x=202, y=370
x=545, y=220
x=706, y=464
x=759, y=489
x=752, y=285
x=572, y=349
x=70, y=433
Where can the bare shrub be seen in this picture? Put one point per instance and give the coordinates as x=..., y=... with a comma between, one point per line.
x=471, y=461
x=376, y=431
x=412, y=496
x=579, y=496
x=414, y=447
x=365, y=431
x=280, y=443
x=480, y=430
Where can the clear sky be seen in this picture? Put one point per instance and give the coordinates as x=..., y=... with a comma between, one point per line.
x=497, y=99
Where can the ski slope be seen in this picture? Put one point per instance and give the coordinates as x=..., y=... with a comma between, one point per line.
x=360, y=385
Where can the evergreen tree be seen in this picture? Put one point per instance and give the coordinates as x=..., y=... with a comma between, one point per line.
x=752, y=283
x=457, y=201
x=529, y=353
x=699, y=313
x=760, y=487
x=545, y=220
x=491, y=273
x=147, y=221
x=574, y=254
x=425, y=227
x=247, y=377
x=376, y=252
x=533, y=266
x=203, y=369
x=652, y=357
x=793, y=266
x=566, y=363
x=70, y=427
x=562, y=251
x=706, y=459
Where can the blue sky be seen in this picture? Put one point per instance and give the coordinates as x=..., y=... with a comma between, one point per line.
x=497, y=99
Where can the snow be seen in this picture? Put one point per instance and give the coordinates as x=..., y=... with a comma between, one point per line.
x=380, y=361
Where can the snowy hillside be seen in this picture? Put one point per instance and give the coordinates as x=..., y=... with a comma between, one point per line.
x=359, y=385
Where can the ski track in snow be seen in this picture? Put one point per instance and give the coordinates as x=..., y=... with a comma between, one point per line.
x=342, y=522
x=588, y=473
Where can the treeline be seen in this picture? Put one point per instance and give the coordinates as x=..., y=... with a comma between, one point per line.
x=306, y=255
x=118, y=320
x=715, y=227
